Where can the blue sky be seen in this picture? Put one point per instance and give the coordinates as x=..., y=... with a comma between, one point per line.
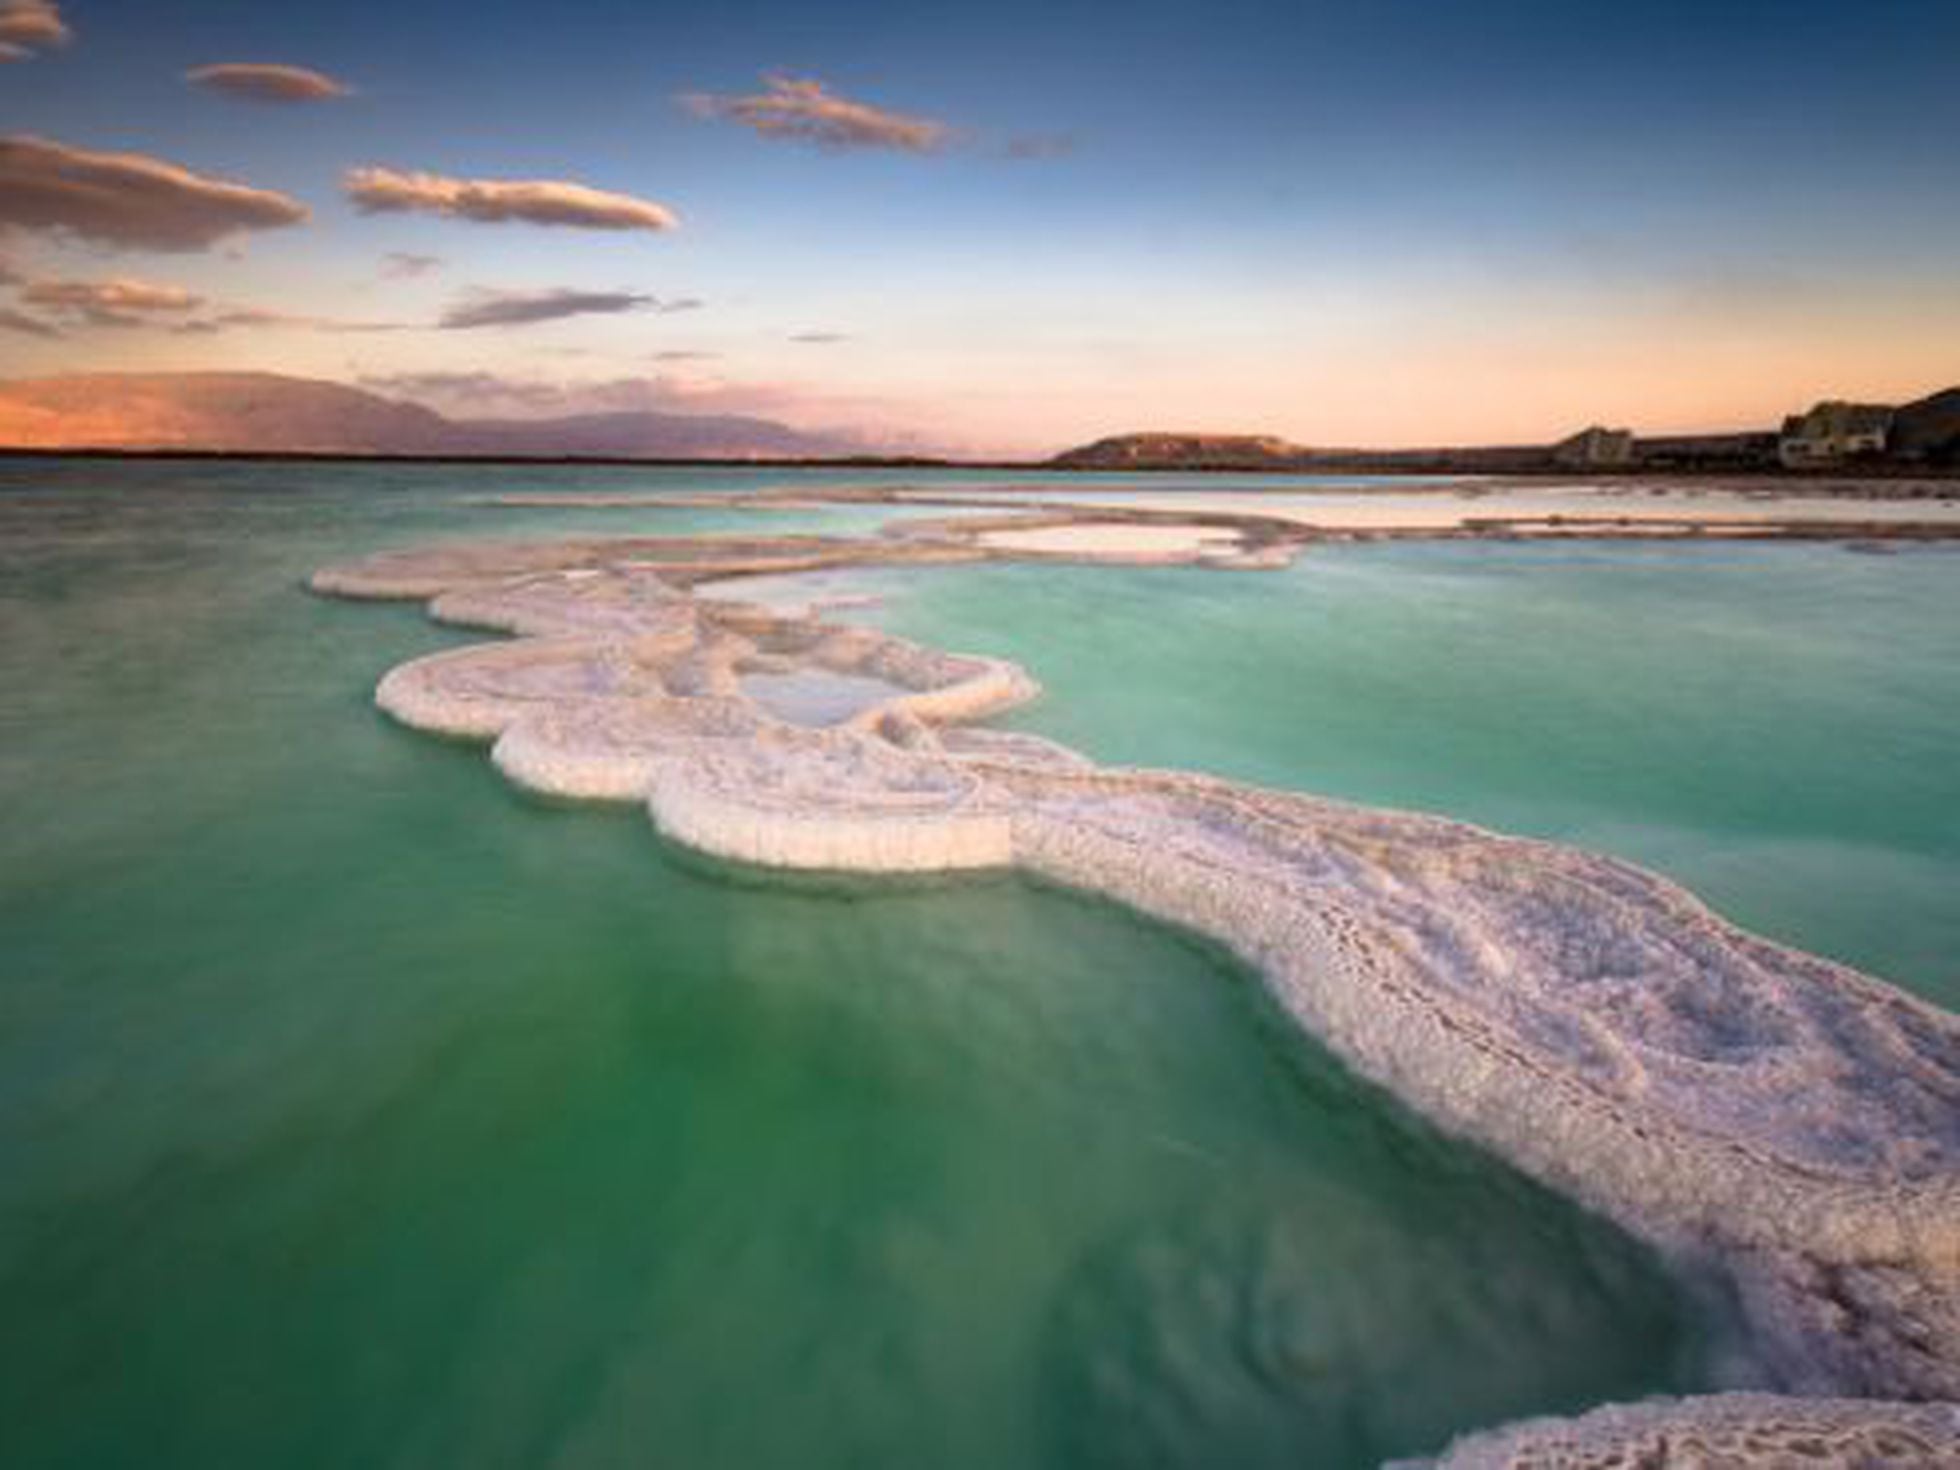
x=1390, y=223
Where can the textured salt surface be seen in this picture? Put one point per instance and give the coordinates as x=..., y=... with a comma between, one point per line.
x=1773, y=1115
x=1746, y=1431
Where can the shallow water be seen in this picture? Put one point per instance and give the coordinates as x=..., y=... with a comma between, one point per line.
x=356, y=1110
x=817, y=697
x=1771, y=725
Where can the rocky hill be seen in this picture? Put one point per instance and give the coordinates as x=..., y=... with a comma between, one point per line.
x=1930, y=428
x=1183, y=451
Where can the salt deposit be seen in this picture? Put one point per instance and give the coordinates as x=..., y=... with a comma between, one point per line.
x=1113, y=539
x=1745, y=1106
x=1745, y=1431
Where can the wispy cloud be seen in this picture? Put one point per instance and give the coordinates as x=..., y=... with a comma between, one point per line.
x=21, y=322
x=801, y=109
x=819, y=339
x=129, y=304
x=683, y=354
x=249, y=317
x=523, y=308
x=128, y=199
x=28, y=26
x=265, y=81
x=402, y=265
x=1033, y=147
x=116, y=303
x=497, y=201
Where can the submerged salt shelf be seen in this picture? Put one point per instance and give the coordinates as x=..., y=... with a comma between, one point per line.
x=1105, y=538
x=1456, y=506
x=817, y=697
x=1741, y=1104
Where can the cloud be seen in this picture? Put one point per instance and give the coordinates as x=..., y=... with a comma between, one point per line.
x=523, y=308
x=253, y=316
x=128, y=304
x=497, y=201
x=10, y=52
x=682, y=354
x=803, y=110
x=128, y=199
x=264, y=81
x=819, y=339
x=27, y=26
x=1032, y=147
x=117, y=303
x=401, y=265
x=20, y=321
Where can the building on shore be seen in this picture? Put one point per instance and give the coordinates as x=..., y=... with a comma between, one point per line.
x=1832, y=432
x=1595, y=448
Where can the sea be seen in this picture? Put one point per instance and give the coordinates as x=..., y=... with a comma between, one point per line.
x=359, y=1110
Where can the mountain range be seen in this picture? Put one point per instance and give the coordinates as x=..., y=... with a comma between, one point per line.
x=270, y=413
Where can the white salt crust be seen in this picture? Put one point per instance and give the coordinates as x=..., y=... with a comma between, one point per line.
x=1738, y=1103
x=1733, y=1431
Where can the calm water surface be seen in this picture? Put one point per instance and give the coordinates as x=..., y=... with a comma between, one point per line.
x=355, y=1110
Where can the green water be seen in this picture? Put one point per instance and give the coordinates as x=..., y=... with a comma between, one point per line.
x=355, y=1110
x=1772, y=725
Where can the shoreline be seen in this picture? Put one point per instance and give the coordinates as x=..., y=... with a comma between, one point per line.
x=1863, y=482
x=1266, y=525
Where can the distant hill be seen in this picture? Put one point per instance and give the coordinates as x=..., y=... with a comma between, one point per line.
x=1923, y=434
x=1156, y=451
x=1930, y=428
x=647, y=435
x=1184, y=451
x=270, y=413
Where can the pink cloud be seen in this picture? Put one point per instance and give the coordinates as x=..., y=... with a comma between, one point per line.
x=804, y=110
x=1031, y=147
x=128, y=199
x=497, y=201
x=27, y=326
x=27, y=26
x=115, y=303
x=264, y=81
x=523, y=308
x=401, y=265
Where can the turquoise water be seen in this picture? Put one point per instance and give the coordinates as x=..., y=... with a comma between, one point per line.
x=1772, y=725
x=356, y=1110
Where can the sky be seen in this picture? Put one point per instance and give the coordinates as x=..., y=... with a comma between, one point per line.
x=1000, y=229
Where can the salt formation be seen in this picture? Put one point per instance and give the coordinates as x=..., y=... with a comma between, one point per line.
x=1745, y=1106
x=1742, y=1430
